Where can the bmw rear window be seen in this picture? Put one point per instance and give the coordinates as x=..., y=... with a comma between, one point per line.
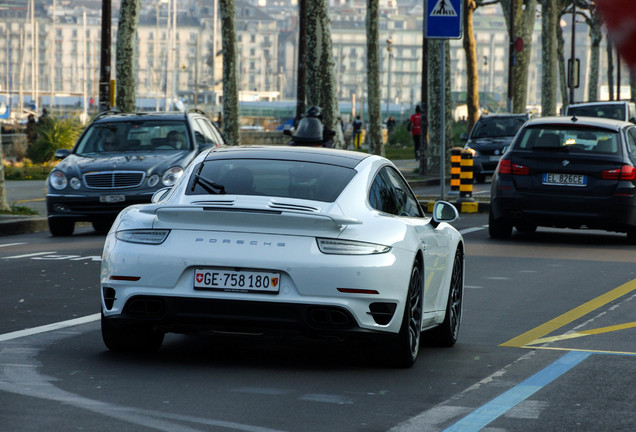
x=570, y=139
x=270, y=177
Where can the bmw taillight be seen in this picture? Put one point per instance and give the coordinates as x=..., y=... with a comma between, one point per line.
x=626, y=172
x=507, y=167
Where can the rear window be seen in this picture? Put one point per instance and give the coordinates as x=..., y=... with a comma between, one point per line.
x=134, y=136
x=611, y=111
x=568, y=139
x=275, y=178
x=492, y=127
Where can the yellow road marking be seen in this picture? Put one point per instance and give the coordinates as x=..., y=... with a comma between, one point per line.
x=529, y=337
x=582, y=350
x=29, y=200
x=583, y=333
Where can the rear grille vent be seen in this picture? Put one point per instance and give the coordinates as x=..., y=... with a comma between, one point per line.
x=114, y=179
x=287, y=206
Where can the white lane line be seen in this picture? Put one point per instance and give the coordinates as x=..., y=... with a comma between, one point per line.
x=49, y=327
x=29, y=255
x=11, y=244
x=469, y=230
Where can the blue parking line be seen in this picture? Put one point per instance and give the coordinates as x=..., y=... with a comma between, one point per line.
x=485, y=414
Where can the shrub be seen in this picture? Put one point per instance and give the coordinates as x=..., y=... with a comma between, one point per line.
x=400, y=136
x=54, y=133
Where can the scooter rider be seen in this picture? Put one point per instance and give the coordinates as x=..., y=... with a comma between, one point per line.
x=311, y=131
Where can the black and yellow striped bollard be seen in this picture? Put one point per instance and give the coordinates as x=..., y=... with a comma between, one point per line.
x=456, y=158
x=466, y=201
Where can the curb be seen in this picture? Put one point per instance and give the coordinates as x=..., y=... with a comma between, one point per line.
x=26, y=224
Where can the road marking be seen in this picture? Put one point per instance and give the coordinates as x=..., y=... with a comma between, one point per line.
x=539, y=332
x=11, y=244
x=28, y=255
x=489, y=412
x=584, y=333
x=49, y=327
x=29, y=200
x=470, y=230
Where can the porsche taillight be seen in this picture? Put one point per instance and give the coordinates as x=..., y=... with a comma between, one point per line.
x=626, y=172
x=507, y=167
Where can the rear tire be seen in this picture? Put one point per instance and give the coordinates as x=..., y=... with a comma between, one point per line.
x=61, y=227
x=125, y=339
x=631, y=236
x=446, y=334
x=499, y=228
x=405, y=346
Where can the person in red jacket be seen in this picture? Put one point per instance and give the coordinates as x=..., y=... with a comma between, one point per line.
x=415, y=127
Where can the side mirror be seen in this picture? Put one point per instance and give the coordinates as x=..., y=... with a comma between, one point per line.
x=464, y=137
x=287, y=132
x=444, y=212
x=62, y=153
x=160, y=195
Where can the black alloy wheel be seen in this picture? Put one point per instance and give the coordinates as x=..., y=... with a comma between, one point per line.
x=405, y=348
x=125, y=339
x=446, y=334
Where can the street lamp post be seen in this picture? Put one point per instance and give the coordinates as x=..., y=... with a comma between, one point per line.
x=389, y=43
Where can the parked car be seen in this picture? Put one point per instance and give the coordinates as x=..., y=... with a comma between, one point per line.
x=255, y=239
x=617, y=110
x=488, y=138
x=122, y=159
x=567, y=172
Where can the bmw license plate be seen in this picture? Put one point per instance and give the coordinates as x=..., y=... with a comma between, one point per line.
x=112, y=198
x=236, y=281
x=564, y=179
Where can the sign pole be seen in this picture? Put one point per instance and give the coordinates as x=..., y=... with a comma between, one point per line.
x=442, y=134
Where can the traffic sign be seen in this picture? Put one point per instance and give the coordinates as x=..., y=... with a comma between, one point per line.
x=443, y=19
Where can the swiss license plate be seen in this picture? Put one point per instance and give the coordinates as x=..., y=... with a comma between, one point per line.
x=564, y=179
x=112, y=198
x=236, y=281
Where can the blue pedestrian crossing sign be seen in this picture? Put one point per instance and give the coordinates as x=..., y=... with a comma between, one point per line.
x=443, y=19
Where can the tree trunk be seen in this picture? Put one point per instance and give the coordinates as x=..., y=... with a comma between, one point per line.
x=596, y=36
x=4, y=204
x=549, y=57
x=563, y=69
x=610, y=68
x=302, y=62
x=524, y=18
x=126, y=98
x=374, y=134
x=321, y=77
x=230, y=82
x=472, y=77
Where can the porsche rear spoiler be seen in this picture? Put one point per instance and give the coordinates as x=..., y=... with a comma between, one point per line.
x=250, y=220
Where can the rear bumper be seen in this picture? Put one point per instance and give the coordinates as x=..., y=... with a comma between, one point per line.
x=192, y=316
x=607, y=213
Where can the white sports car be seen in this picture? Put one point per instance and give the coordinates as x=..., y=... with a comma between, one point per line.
x=251, y=239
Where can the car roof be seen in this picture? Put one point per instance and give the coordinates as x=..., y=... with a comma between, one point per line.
x=110, y=116
x=338, y=157
x=599, y=103
x=599, y=122
x=494, y=115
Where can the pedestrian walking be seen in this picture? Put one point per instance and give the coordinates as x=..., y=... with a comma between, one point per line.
x=31, y=129
x=415, y=127
x=357, y=132
x=390, y=124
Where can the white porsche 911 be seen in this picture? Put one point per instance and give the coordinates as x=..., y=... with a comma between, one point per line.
x=257, y=239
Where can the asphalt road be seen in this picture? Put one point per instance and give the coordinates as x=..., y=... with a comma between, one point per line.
x=547, y=343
